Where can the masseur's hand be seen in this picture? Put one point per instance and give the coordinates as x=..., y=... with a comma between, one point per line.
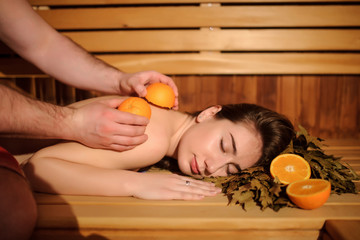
x=160, y=186
x=137, y=82
x=101, y=125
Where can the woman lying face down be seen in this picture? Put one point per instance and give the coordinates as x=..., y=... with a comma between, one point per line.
x=218, y=141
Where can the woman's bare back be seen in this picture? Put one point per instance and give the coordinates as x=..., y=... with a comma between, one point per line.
x=153, y=150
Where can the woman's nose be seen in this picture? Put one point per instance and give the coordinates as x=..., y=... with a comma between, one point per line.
x=215, y=163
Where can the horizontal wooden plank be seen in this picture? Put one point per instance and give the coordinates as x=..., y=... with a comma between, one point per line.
x=111, y=2
x=219, y=40
x=347, y=149
x=220, y=201
x=229, y=63
x=348, y=155
x=46, y=234
x=226, y=16
x=241, y=63
x=342, y=143
x=174, y=235
x=190, y=216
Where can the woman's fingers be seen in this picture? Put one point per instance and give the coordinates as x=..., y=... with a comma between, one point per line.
x=190, y=182
x=191, y=187
x=172, y=186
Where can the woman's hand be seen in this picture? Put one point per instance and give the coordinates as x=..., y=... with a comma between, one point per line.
x=162, y=186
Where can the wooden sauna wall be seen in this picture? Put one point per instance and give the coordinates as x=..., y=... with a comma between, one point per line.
x=328, y=106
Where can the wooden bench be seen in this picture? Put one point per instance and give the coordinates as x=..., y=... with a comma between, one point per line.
x=298, y=57
x=62, y=217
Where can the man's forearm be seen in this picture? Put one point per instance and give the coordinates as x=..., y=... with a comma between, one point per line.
x=22, y=29
x=73, y=65
x=21, y=115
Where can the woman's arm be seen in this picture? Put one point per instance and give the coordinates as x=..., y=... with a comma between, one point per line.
x=53, y=175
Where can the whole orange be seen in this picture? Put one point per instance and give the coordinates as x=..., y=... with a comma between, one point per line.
x=161, y=95
x=309, y=193
x=136, y=106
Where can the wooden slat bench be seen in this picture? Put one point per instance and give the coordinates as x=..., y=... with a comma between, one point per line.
x=229, y=45
x=128, y=218
x=62, y=217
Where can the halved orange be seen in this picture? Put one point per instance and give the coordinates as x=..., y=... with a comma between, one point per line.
x=289, y=168
x=161, y=95
x=309, y=193
x=136, y=106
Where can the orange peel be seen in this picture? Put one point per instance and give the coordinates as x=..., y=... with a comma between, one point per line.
x=161, y=95
x=136, y=105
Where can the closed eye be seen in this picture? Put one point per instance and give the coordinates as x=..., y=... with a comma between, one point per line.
x=222, y=145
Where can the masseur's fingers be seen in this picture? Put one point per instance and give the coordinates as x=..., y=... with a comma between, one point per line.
x=100, y=125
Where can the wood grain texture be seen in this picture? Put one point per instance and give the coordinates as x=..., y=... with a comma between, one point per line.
x=112, y=2
x=239, y=63
x=218, y=40
x=300, y=59
x=129, y=213
x=319, y=103
x=216, y=64
x=175, y=234
x=327, y=106
x=116, y=217
x=193, y=16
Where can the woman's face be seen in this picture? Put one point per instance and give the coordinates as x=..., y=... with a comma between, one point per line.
x=218, y=147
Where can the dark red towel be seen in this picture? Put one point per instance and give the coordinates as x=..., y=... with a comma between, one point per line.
x=8, y=161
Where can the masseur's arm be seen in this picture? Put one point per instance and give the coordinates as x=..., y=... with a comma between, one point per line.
x=24, y=116
x=22, y=29
x=96, y=125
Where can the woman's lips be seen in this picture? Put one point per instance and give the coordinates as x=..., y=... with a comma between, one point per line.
x=194, y=166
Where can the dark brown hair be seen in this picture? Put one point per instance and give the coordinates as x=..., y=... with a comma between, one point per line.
x=275, y=129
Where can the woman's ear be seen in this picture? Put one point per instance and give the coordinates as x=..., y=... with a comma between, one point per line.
x=208, y=113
